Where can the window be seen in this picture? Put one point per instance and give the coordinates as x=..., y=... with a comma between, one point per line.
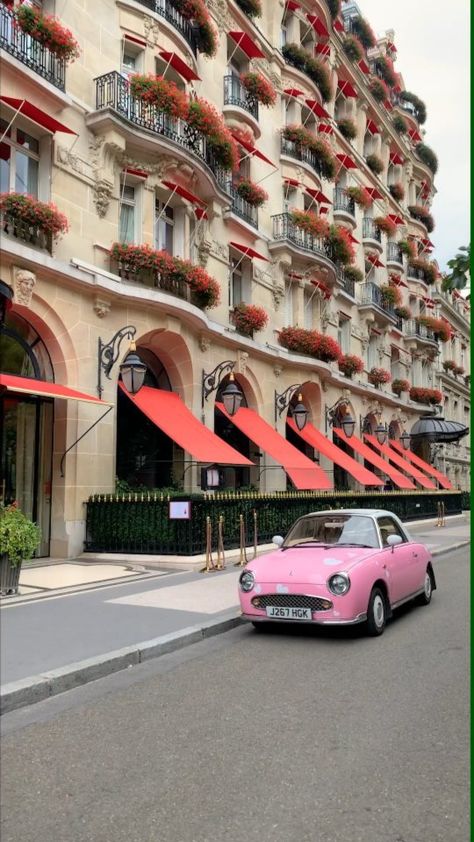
x=127, y=218
x=129, y=63
x=388, y=527
x=395, y=364
x=308, y=308
x=19, y=161
x=288, y=304
x=236, y=282
x=372, y=351
x=164, y=227
x=344, y=334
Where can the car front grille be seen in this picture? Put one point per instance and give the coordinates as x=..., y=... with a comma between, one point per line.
x=292, y=600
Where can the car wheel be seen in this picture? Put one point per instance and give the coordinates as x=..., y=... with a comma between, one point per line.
x=425, y=597
x=376, y=613
x=260, y=627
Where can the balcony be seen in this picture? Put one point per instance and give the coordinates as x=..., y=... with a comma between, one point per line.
x=423, y=334
x=370, y=230
x=151, y=278
x=347, y=285
x=285, y=229
x=113, y=92
x=415, y=274
x=247, y=212
x=404, y=105
x=31, y=235
x=167, y=11
x=371, y=298
x=30, y=52
x=235, y=94
x=343, y=205
x=394, y=254
x=300, y=153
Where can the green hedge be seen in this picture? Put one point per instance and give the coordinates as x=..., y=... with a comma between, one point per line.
x=140, y=524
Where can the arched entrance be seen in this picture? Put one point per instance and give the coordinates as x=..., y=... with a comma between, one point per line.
x=144, y=455
x=236, y=477
x=342, y=479
x=311, y=398
x=26, y=427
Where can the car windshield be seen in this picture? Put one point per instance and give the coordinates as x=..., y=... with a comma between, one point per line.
x=330, y=530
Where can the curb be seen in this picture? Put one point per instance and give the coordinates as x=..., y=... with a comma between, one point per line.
x=37, y=688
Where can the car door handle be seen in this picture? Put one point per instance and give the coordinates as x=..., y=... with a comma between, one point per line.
x=415, y=555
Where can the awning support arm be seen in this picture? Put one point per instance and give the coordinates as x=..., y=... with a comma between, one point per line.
x=61, y=464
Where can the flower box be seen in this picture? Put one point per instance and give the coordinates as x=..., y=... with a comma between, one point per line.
x=251, y=193
x=196, y=11
x=259, y=88
x=165, y=96
x=379, y=90
x=313, y=67
x=374, y=163
x=353, y=48
x=423, y=215
x=408, y=247
x=399, y=386
x=397, y=190
x=349, y=364
x=342, y=247
x=449, y=365
x=377, y=376
x=364, y=32
x=403, y=312
x=249, y=318
x=304, y=139
x=204, y=118
x=440, y=328
x=426, y=154
x=31, y=220
x=48, y=31
x=361, y=196
x=310, y=342
x=400, y=124
x=391, y=295
x=384, y=223
x=252, y=8
x=418, y=104
x=427, y=396
x=428, y=268
x=310, y=223
x=347, y=128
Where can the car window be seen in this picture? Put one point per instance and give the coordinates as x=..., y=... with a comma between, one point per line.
x=333, y=529
x=388, y=527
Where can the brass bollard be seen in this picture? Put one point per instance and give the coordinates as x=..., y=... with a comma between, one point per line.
x=220, y=544
x=255, y=533
x=443, y=514
x=243, y=555
x=210, y=566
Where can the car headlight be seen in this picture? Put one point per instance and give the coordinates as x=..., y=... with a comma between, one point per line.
x=247, y=581
x=339, y=583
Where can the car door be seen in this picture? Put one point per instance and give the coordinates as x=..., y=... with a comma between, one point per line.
x=402, y=562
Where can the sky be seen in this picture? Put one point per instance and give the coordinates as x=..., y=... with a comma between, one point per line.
x=432, y=41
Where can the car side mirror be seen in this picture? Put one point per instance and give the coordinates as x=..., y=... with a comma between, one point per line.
x=393, y=540
x=278, y=540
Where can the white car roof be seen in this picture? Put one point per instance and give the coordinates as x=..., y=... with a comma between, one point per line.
x=367, y=512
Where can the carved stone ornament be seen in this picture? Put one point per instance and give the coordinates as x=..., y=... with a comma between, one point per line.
x=152, y=30
x=102, y=195
x=241, y=364
x=204, y=250
x=277, y=370
x=24, y=284
x=219, y=11
x=101, y=307
x=204, y=343
x=278, y=294
x=66, y=159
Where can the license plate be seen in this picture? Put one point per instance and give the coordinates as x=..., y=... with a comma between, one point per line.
x=282, y=613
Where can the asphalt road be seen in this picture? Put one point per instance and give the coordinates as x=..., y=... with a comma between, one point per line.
x=301, y=735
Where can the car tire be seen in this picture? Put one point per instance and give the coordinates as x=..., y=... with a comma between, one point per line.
x=260, y=627
x=376, y=613
x=425, y=597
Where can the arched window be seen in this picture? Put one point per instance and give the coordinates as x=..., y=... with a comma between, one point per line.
x=22, y=351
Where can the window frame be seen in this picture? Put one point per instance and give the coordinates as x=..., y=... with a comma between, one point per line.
x=17, y=148
x=398, y=530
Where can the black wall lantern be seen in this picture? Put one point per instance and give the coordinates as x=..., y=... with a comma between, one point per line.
x=405, y=440
x=347, y=422
x=232, y=395
x=132, y=369
x=298, y=411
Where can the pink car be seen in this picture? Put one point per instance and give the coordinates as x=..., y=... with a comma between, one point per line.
x=338, y=567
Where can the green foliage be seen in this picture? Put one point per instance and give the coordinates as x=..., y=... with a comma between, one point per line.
x=459, y=276
x=19, y=536
x=334, y=7
x=348, y=128
x=426, y=154
x=419, y=105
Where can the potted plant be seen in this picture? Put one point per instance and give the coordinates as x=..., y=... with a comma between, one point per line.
x=428, y=268
x=400, y=124
x=377, y=376
x=310, y=223
x=391, y=295
x=341, y=245
x=20, y=208
x=440, y=328
x=403, y=312
x=349, y=364
x=397, y=190
x=374, y=163
x=449, y=365
x=259, y=88
x=347, y=128
x=361, y=196
x=418, y=104
x=399, y=386
x=334, y=8
x=252, y=8
x=458, y=369
x=384, y=67
x=353, y=274
x=364, y=32
x=48, y=31
x=249, y=318
x=165, y=96
x=423, y=215
x=19, y=540
x=379, y=90
x=251, y=193
x=408, y=247
x=309, y=342
x=353, y=48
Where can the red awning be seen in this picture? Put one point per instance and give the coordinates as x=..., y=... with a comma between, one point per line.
x=316, y=108
x=320, y=443
x=374, y=260
x=292, y=5
x=396, y=158
x=291, y=182
x=301, y=470
x=317, y=195
x=29, y=386
x=396, y=219
x=338, y=25
x=200, y=213
x=246, y=44
x=415, y=136
x=399, y=479
x=36, y=114
x=185, y=194
x=402, y=463
x=353, y=239
x=135, y=40
x=318, y=26
x=168, y=412
x=136, y=173
x=180, y=66
x=323, y=49
x=364, y=66
x=347, y=88
x=376, y=194
x=425, y=466
x=398, y=281
x=372, y=127
x=252, y=150
x=293, y=92
x=429, y=303
x=388, y=105
x=249, y=252
x=346, y=161
x=325, y=128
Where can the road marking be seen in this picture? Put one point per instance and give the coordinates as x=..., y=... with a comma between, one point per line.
x=204, y=596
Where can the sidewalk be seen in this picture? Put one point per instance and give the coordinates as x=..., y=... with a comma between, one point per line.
x=62, y=639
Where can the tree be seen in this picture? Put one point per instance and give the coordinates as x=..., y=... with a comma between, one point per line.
x=459, y=277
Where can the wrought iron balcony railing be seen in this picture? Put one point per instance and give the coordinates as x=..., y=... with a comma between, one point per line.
x=412, y=328
x=370, y=230
x=288, y=147
x=113, y=91
x=416, y=274
x=151, y=278
x=235, y=94
x=30, y=234
x=347, y=284
x=240, y=207
x=167, y=11
x=394, y=253
x=343, y=202
x=29, y=51
x=285, y=229
x=371, y=294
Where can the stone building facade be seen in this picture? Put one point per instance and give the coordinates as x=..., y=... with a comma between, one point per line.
x=121, y=170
